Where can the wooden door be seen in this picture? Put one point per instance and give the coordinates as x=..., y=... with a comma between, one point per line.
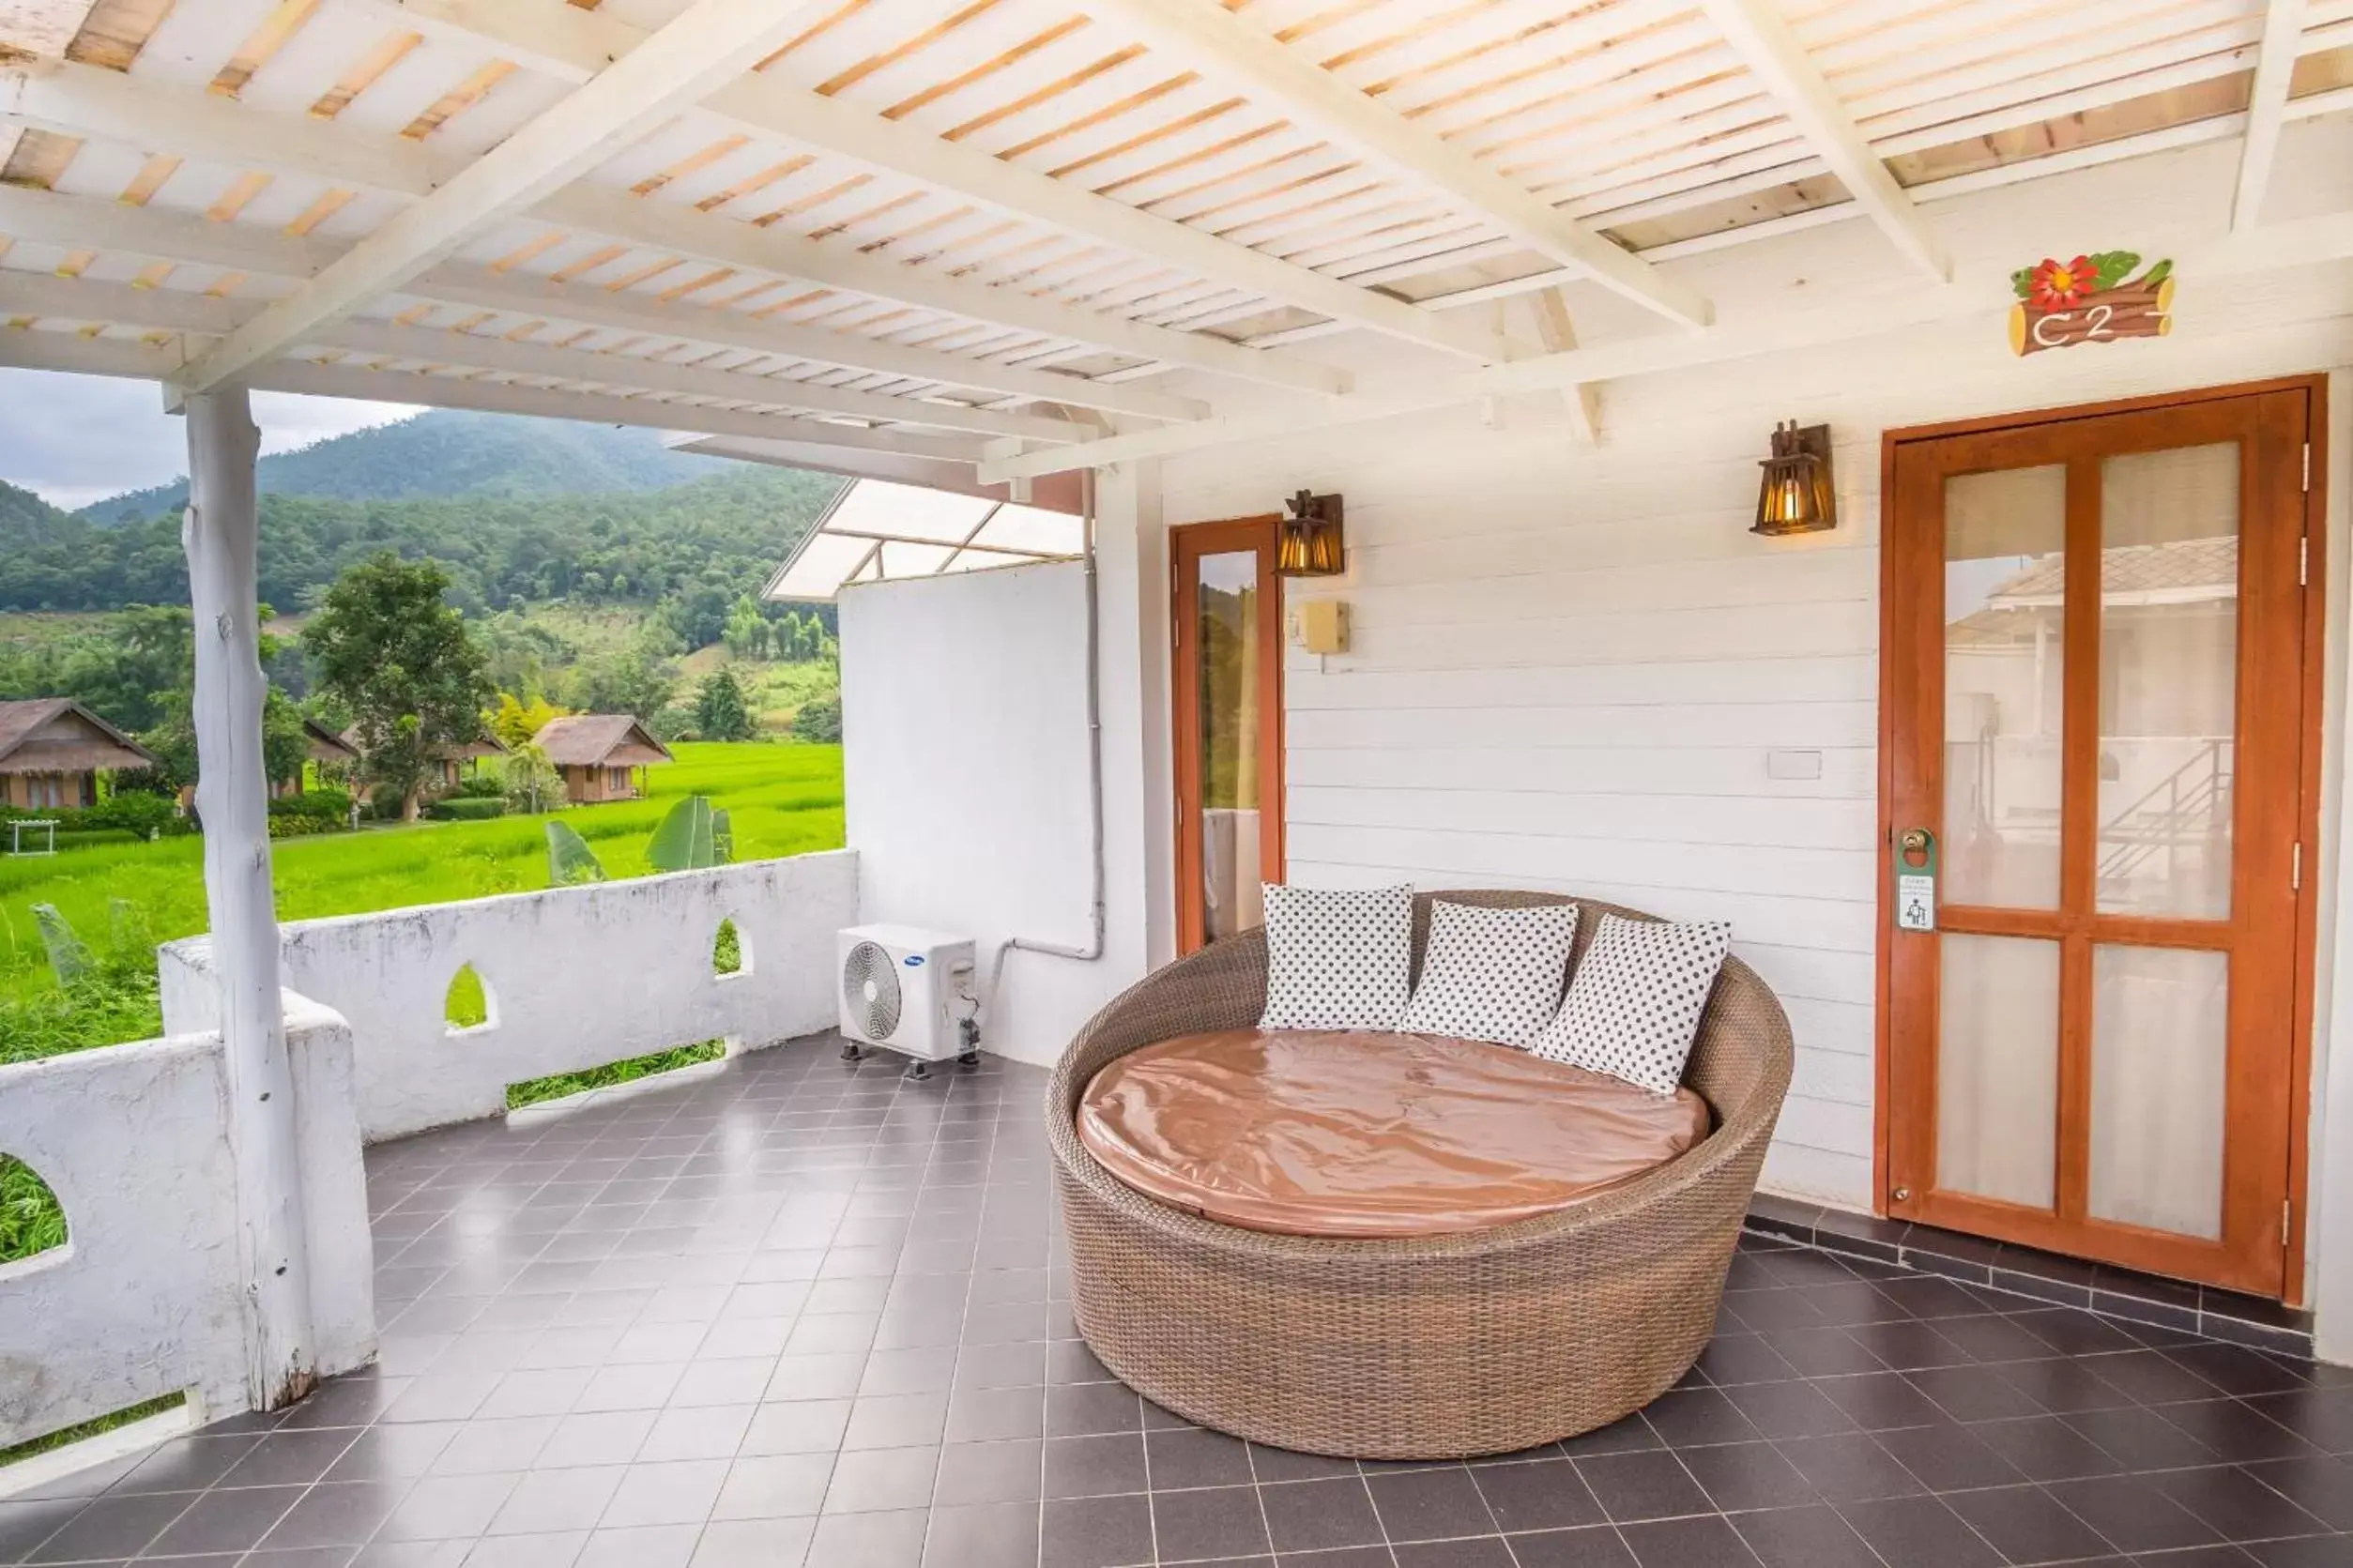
x=1228, y=613
x=2099, y=701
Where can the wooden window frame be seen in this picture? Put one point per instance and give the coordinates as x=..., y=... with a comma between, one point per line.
x=1188, y=542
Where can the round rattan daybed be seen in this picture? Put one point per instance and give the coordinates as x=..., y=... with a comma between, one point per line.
x=1445, y=1347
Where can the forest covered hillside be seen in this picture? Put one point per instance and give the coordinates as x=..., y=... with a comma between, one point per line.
x=452, y=452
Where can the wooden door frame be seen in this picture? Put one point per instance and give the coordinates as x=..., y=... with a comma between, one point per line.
x=1191, y=541
x=2314, y=388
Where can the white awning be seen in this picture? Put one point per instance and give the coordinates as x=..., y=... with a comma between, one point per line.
x=877, y=531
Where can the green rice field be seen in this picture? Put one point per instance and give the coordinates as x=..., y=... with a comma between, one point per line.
x=782, y=798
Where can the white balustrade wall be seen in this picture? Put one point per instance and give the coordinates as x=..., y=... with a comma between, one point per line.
x=143, y=1299
x=574, y=978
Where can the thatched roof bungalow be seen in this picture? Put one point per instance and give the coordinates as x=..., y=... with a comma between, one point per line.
x=599, y=755
x=53, y=748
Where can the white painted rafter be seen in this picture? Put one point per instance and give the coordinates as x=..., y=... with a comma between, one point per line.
x=702, y=47
x=1774, y=56
x=82, y=100
x=72, y=353
x=554, y=35
x=45, y=217
x=1225, y=47
x=2276, y=247
x=43, y=296
x=2267, y=109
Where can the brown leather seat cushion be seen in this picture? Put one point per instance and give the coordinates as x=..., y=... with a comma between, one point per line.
x=1368, y=1134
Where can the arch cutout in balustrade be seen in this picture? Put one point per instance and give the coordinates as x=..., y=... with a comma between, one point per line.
x=730, y=951
x=32, y=1220
x=469, y=1003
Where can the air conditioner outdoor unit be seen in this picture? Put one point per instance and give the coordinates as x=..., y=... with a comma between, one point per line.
x=909, y=991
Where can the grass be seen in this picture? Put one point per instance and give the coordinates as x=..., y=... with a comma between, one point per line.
x=30, y=1220
x=91, y=1429
x=781, y=800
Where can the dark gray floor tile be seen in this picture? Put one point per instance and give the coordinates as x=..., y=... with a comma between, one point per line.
x=2027, y=1524
x=1813, y=1536
x=231, y=1520
x=1189, y=1456
x=990, y=1473
x=113, y=1527
x=1648, y=1486
x=1919, y=1533
x=1096, y=1533
x=1209, y=1522
x=1849, y=1467
x=1705, y=1541
x=1094, y=1467
x=1485, y=1552
x=1310, y=1516
x=2132, y=1514
x=1537, y=1494
x=1429, y=1506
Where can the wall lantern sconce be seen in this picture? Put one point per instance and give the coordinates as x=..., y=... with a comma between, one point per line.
x=1796, y=496
x=1309, y=542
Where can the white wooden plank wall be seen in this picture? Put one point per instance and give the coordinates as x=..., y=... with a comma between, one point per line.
x=1569, y=667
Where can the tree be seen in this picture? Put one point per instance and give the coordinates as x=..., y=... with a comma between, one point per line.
x=515, y=722
x=285, y=744
x=747, y=632
x=386, y=644
x=819, y=718
x=720, y=712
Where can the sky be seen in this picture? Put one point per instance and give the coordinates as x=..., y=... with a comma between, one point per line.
x=74, y=439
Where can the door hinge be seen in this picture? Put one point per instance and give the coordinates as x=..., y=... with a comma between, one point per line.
x=2303, y=562
x=2287, y=1220
x=2307, y=467
x=2295, y=869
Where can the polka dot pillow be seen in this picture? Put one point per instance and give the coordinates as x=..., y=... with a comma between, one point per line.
x=1634, y=1004
x=1493, y=974
x=1337, y=958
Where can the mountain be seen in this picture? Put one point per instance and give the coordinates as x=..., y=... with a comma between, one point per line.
x=449, y=452
x=26, y=517
x=708, y=542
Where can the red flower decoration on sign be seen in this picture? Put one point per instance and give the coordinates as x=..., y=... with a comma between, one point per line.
x=2057, y=285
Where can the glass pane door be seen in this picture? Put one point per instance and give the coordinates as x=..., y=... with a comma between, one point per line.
x=1229, y=725
x=1226, y=656
x=2089, y=1044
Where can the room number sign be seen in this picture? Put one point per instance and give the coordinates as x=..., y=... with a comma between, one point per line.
x=1915, y=880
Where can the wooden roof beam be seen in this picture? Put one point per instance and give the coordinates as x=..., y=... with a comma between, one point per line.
x=1224, y=47
x=1758, y=35
x=554, y=34
x=704, y=45
x=2267, y=109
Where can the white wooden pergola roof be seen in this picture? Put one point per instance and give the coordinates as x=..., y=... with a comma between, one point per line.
x=1009, y=238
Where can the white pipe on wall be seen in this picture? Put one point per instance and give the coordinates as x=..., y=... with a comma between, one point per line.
x=1093, y=948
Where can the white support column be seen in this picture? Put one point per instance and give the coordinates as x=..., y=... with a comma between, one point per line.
x=233, y=797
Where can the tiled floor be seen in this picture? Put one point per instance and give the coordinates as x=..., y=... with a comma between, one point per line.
x=801, y=1312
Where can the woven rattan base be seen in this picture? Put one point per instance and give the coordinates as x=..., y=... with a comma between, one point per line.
x=1442, y=1347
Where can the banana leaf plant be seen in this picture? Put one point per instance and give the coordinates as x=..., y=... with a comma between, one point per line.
x=569, y=858
x=693, y=837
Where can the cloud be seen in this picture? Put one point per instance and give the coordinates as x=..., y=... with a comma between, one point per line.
x=74, y=439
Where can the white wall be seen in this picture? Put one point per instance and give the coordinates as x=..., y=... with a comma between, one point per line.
x=965, y=759
x=575, y=977
x=1570, y=665
x=144, y=1298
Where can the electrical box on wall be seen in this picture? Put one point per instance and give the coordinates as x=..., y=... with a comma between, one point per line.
x=1319, y=626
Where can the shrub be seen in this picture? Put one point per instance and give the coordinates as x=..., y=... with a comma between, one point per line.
x=295, y=825
x=329, y=802
x=466, y=808
x=819, y=718
x=479, y=786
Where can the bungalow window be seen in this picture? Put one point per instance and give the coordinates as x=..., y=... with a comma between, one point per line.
x=617, y=780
